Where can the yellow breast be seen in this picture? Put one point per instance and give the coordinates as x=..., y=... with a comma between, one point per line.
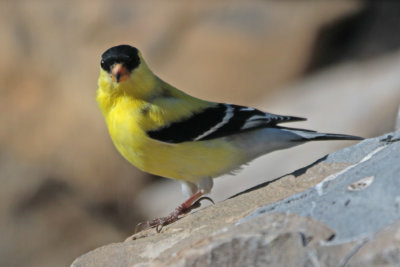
x=188, y=161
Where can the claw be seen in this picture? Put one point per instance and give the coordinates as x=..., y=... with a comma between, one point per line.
x=184, y=208
x=159, y=228
x=203, y=198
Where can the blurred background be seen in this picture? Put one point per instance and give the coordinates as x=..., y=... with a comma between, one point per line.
x=65, y=189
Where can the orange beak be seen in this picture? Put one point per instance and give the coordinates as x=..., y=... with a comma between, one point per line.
x=119, y=73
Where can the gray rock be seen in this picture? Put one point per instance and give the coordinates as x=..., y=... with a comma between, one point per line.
x=343, y=210
x=344, y=201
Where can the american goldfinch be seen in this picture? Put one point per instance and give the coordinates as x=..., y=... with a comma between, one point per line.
x=164, y=131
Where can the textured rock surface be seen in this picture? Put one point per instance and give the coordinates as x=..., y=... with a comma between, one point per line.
x=371, y=184
x=343, y=209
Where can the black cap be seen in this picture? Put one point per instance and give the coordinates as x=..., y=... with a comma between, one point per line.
x=124, y=54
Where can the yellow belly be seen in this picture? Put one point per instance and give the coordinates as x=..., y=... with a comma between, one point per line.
x=187, y=161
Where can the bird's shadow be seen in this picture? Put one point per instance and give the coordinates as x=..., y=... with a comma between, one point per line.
x=296, y=174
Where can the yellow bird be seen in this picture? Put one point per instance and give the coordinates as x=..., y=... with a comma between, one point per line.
x=164, y=131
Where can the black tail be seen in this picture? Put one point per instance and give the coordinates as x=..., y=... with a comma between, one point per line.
x=309, y=135
x=329, y=136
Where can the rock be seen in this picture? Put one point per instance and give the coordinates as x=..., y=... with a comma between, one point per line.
x=383, y=250
x=343, y=209
x=353, y=192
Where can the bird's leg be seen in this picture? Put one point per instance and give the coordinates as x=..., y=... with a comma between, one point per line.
x=184, y=208
x=187, y=206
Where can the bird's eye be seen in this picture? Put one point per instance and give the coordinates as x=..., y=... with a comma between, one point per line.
x=105, y=65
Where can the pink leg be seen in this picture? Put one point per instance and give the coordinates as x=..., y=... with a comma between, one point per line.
x=190, y=204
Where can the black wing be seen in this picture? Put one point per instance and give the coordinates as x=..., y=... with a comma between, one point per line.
x=221, y=120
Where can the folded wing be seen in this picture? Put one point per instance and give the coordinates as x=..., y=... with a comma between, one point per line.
x=219, y=121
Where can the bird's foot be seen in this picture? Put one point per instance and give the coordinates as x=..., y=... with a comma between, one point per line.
x=193, y=202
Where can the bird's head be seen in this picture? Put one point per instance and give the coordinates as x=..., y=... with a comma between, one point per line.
x=120, y=61
x=124, y=70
